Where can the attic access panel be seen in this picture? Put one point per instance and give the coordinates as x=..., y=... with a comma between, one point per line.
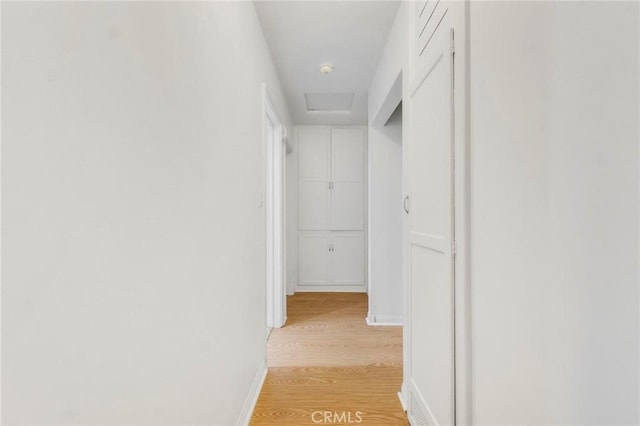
x=329, y=102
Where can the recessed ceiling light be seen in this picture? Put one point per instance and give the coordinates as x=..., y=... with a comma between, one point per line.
x=326, y=69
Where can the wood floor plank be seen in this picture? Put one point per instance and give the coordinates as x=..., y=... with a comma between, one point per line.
x=326, y=366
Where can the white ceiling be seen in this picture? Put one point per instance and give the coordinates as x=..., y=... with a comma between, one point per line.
x=350, y=35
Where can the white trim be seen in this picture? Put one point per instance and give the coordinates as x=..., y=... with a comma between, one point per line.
x=252, y=397
x=275, y=210
x=332, y=288
x=403, y=403
x=0, y=217
x=404, y=396
x=384, y=320
x=462, y=191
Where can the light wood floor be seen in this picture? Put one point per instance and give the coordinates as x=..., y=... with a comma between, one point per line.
x=326, y=359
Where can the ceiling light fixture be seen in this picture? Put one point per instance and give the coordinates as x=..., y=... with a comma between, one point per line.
x=326, y=69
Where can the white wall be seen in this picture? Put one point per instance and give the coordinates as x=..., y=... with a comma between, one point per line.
x=133, y=246
x=385, y=221
x=394, y=58
x=554, y=212
x=385, y=177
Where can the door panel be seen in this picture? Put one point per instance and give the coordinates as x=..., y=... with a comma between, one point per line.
x=313, y=259
x=314, y=151
x=430, y=236
x=347, y=202
x=347, y=153
x=432, y=333
x=347, y=259
x=313, y=205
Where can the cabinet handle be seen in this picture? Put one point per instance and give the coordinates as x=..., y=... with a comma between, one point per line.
x=406, y=204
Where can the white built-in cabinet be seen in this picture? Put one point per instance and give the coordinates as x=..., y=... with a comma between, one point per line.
x=331, y=209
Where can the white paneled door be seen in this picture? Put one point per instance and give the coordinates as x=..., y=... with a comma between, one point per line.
x=347, y=201
x=347, y=179
x=331, y=184
x=347, y=154
x=430, y=237
x=313, y=205
x=347, y=258
x=314, y=154
x=314, y=172
x=313, y=258
x=331, y=258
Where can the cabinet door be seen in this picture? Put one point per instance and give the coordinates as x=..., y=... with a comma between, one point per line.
x=347, y=259
x=347, y=155
x=314, y=147
x=347, y=175
x=313, y=259
x=347, y=206
x=313, y=206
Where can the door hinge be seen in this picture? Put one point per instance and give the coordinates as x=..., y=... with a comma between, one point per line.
x=453, y=248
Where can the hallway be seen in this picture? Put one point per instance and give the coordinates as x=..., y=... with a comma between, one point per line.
x=326, y=359
x=449, y=191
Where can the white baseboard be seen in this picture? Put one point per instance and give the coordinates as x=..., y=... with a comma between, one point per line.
x=332, y=288
x=384, y=320
x=252, y=396
x=402, y=401
x=404, y=393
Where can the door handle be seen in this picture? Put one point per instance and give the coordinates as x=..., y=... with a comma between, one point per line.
x=406, y=204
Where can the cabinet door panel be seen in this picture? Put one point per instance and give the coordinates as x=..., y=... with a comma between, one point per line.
x=347, y=206
x=313, y=206
x=347, y=155
x=347, y=259
x=314, y=150
x=313, y=259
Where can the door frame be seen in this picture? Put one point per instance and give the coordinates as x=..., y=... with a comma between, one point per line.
x=274, y=165
x=392, y=99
